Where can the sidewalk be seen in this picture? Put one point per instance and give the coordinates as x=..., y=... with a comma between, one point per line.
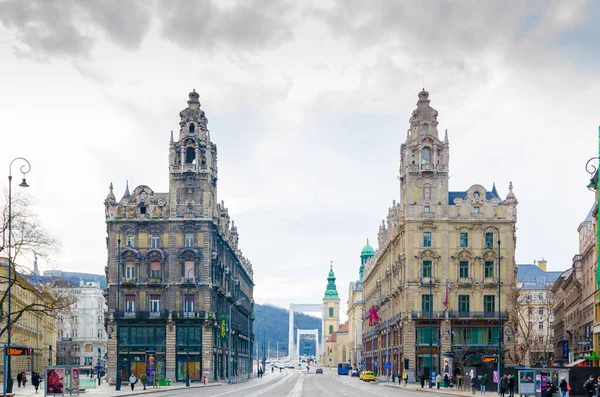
x=106, y=390
x=417, y=387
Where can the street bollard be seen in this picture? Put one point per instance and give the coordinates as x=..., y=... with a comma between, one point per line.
x=204, y=379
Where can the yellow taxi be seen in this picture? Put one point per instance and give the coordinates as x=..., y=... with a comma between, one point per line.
x=367, y=376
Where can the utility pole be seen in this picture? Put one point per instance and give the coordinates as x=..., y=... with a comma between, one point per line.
x=387, y=343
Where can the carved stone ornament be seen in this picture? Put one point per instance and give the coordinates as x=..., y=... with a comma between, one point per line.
x=427, y=225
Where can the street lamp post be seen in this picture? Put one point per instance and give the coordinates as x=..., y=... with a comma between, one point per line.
x=422, y=274
x=485, y=232
x=25, y=168
x=594, y=185
x=229, y=339
x=128, y=232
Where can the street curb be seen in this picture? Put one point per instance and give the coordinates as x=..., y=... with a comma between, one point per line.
x=167, y=389
x=447, y=393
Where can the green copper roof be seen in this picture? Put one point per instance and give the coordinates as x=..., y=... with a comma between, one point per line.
x=331, y=291
x=367, y=250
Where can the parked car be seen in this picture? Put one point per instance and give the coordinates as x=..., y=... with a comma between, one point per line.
x=355, y=372
x=291, y=366
x=319, y=371
x=367, y=376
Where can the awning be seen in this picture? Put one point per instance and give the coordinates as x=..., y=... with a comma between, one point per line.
x=576, y=363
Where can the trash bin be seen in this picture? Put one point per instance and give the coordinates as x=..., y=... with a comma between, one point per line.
x=9, y=385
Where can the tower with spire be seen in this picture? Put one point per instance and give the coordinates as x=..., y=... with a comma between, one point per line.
x=179, y=262
x=331, y=305
x=434, y=234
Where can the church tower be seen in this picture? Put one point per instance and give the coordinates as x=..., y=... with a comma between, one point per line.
x=331, y=306
x=424, y=162
x=366, y=253
x=192, y=165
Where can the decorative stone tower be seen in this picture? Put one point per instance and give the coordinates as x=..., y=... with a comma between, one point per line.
x=366, y=253
x=424, y=161
x=331, y=306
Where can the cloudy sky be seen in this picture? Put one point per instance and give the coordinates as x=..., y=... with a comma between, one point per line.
x=308, y=104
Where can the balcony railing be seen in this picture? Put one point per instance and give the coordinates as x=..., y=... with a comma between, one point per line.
x=475, y=315
x=189, y=314
x=143, y=314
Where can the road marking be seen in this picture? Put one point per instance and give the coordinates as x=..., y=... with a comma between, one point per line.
x=274, y=384
x=297, y=390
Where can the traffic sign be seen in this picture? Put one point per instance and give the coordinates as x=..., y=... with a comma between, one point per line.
x=387, y=365
x=584, y=342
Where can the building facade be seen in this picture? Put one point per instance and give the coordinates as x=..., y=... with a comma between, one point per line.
x=33, y=328
x=430, y=290
x=535, y=313
x=174, y=258
x=574, y=294
x=81, y=333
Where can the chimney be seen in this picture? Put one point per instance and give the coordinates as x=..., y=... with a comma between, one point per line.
x=542, y=264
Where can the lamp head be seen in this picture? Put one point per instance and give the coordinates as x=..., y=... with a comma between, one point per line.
x=24, y=183
x=591, y=186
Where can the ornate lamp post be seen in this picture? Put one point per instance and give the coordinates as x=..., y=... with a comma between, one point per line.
x=592, y=169
x=25, y=168
x=497, y=231
x=422, y=274
x=129, y=233
x=229, y=339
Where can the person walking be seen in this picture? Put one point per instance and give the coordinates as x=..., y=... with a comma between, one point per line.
x=19, y=379
x=393, y=377
x=144, y=380
x=438, y=380
x=422, y=376
x=446, y=381
x=405, y=377
x=511, y=386
x=503, y=385
x=590, y=386
x=564, y=387
x=23, y=378
x=483, y=383
x=132, y=381
x=473, y=384
x=35, y=380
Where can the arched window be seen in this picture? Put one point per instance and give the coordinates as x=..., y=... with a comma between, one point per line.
x=426, y=156
x=425, y=128
x=192, y=127
x=330, y=329
x=190, y=155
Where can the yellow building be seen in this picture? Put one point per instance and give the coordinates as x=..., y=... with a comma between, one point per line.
x=32, y=329
x=430, y=291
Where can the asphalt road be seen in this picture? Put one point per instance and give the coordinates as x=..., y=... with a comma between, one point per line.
x=295, y=383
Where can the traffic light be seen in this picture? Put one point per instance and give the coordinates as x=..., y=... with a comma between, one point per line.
x=330, y=350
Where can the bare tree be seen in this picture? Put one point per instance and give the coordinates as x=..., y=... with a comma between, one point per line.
x=28, y=238
x=532, y=325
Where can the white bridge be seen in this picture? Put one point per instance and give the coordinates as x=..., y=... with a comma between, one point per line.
x=310, y=334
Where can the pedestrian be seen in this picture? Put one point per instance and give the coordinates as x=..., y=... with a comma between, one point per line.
x=438, y=380
x=503, y=385
x=422, y=376
x=564, y=387
x=405, y=377
x=483, y=383
x=132, y=381
x=19, y=379
x=550, y=390
x=446, y=381
x=144, y=380
x=511, y=386
x=589, y=386
x=473, y=384
x=23, y=378
x=35, y=381
x=393, y=377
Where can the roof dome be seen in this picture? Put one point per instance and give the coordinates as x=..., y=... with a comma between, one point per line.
x=367, y=250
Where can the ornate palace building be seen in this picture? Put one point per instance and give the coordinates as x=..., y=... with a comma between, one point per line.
x=181, y=270
x=436, y=240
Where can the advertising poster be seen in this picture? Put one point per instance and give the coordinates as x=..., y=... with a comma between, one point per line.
x=448, y=367
x=55, y=381
x=495, y=376
x=75, y=381
x=538, y=383
x=526, y=382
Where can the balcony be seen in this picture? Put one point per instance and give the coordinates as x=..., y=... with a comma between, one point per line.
x=426, y=314
x=154, y=280
x=191, y=280
x=476, y=315
x=128, y=282
x=427, y=167
x=143, y=314
x=189, y=314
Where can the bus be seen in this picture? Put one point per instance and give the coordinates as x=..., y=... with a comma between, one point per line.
x=343, y=368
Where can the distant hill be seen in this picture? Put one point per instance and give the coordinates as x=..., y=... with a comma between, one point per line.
x=74, y=278
x=275, y=322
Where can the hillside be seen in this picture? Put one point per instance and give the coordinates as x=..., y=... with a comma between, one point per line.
x=275, y=322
